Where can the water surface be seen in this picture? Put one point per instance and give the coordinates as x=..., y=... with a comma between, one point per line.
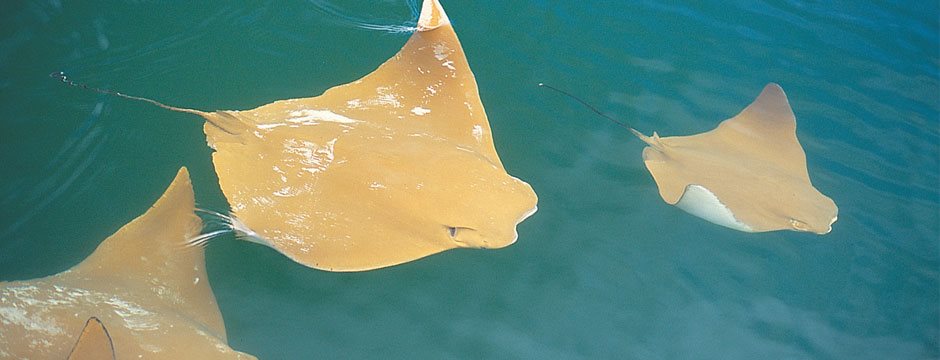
x=605, y=269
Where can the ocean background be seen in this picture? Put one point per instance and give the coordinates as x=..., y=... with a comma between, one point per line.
x=605, y=269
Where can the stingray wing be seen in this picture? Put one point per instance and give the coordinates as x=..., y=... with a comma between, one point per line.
x=389, y=168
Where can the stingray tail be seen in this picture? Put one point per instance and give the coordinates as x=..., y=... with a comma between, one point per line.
x=203, y=239
x=215, y=225
x=652, y=141
x=219, y=224
x=220, y=119
x=61, y=76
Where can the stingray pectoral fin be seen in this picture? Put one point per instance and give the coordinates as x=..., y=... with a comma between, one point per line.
x=432, y=16
x=94, y=343
x=699, y=201
x=147, y=255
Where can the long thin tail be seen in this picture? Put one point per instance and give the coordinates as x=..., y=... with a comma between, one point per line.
x=217, y=224
x=61, y=76
x=650, y=140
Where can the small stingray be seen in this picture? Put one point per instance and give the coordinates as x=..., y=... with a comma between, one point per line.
x=392, y=167
x=149, y=288
x=94, y=343
x=748, y=174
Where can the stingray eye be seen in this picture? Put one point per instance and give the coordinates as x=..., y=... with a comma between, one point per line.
x=452, y=231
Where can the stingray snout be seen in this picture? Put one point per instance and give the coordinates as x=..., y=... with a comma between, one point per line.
x=821, y=229
x=467, y=237
x=494, y=227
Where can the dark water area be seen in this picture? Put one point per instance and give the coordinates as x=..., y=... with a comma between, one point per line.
x=605, y=269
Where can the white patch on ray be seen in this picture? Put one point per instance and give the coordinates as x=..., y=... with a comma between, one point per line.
x=385, y=98
x=478, y=132
x=299, y=220
x=270, y=126
x=699, y=201
x=420, y=111
x=134, y=316
x=287, y=191
x=151, y=348
x=316, y=158
x=262, y=201
x=281, y=173
x=440, y=51
x=19, y=317
x=314, y=117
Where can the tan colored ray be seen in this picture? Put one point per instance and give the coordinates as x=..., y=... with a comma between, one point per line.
x=392, y=167
x=94, y=343
x=748, y=174
x=149, y=288
x=387, y=169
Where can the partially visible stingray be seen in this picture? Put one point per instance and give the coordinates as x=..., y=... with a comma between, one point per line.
x=94, y=343
x=748, y=174
x=392, y=167
x=149, y=288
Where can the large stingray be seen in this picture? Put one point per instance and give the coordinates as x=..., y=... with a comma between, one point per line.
x=748, y=174
x=392, y=167
x=149, y=288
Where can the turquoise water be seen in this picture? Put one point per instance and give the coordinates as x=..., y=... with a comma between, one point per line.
x=605, y=269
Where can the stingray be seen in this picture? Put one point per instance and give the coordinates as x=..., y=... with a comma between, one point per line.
x=392, y=167
x=94, y=343
x=142, y=281
x=748, y=174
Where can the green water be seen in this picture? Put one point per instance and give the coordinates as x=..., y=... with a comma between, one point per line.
x=605, y=269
